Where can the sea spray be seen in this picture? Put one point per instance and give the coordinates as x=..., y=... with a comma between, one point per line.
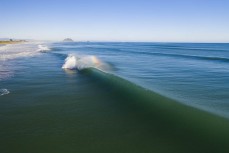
x=86, y=61
x=70, y=63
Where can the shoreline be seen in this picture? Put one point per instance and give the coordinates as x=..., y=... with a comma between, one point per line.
x=11, y=42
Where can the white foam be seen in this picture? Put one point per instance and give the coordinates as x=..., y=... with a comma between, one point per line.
x=86, y=61
x=13, y=51
x=43, y=48
x=70, y=63
x=4, y=92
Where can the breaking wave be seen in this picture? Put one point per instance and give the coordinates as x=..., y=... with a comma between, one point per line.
x=14, y=51
x=86, y=61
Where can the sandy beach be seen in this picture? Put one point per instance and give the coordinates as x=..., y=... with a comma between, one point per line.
x=11, y=42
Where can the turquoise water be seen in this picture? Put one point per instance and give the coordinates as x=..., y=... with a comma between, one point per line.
x=117, y=97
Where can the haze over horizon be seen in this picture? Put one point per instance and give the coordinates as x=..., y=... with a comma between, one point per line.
x=82, y=20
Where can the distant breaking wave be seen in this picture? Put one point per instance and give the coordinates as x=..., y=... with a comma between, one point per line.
x=14, y=51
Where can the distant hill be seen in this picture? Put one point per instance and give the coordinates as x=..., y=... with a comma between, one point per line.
x=68, y=40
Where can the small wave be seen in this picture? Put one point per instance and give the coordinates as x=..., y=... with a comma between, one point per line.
x=163, y=111
x=4, y=92
x=43, y=48
x=81, y=62
x=209, y=58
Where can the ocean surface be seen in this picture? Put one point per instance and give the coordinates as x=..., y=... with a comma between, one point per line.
x=116, y=97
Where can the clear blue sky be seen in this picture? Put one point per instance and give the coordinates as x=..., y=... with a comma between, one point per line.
x=116, y=20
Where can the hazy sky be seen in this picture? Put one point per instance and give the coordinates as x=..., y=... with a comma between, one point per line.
x=116, y=20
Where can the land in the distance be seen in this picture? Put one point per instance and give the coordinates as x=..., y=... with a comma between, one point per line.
x=5, y=42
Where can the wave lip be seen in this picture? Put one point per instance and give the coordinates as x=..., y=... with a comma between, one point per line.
x=70, y=63
x=4, y=92
x=82, y=62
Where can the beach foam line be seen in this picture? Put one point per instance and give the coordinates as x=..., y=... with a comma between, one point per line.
x=14, y=51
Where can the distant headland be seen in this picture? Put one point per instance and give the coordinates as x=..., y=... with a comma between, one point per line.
x=68, y=40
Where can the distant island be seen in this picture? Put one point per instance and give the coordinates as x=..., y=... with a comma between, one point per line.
x=68, y=40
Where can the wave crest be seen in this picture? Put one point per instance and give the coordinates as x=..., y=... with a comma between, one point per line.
x=81, y=62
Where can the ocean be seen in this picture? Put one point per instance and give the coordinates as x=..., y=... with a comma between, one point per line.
x=114, y=97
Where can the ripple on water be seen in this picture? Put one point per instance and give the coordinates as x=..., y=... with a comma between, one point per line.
x=4, y=92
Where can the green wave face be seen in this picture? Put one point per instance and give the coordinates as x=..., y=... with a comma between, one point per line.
x=173, y=123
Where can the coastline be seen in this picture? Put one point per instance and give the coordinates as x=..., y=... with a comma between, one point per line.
x=11, y=42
